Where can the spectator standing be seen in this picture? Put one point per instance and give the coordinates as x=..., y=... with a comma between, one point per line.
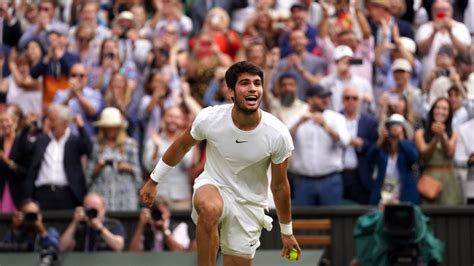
x=88, y=14
x=362, y=128
x=168, y=16
x=286, y=103
x=81, y=99
x=119, y=95
x=415, y=101
x=307, y=68
x=442, y=30
x=85, y=45
x=177, y=189
x=45, y=21
x=436, y=143
x=299, y=17
x=216, y=27
x=10, y=25
x=114, y=169
x=443, y=76
x=157, y=231
x=23, y=90
x=460, y=113
x=319, y=136
x=54, y=67
x=464, y=157
x=28, y=232
x=55, y=178
x=91, y=230
x=394, y=157
x=362, y=49
x=381, y=17
x=343, y=77
x=13, y=166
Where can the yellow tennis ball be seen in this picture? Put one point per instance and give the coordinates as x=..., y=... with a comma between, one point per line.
x=292, y=255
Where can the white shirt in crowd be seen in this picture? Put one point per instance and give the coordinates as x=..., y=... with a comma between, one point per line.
x=464, y=149
x=52, y=167
x=180, y=235
x=350, y=156
x=29, y=101
x=239, y=159
x=441, y=38
x=315, y=152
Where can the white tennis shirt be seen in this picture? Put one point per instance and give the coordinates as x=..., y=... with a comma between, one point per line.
x=240, y=159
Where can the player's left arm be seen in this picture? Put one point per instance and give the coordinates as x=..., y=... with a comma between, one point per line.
x=281, y=195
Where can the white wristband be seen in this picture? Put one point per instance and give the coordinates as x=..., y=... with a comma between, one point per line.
x=286, y=229
x=160, y=171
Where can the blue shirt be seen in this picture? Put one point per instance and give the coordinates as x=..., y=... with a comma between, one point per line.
x=284, y=42
x=34, y=241
x=93, y=96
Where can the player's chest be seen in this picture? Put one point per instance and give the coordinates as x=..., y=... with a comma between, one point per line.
x=241, y=148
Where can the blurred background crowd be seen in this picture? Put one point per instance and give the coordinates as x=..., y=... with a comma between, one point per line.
x=378, y=96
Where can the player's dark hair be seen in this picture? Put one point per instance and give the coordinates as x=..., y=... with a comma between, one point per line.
x=242, y=67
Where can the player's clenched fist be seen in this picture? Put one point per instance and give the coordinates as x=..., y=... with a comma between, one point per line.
x=148, y=192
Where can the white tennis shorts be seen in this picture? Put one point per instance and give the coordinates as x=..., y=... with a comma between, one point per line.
x=240, y=224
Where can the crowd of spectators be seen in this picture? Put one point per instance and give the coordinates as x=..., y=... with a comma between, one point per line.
x=376, y=94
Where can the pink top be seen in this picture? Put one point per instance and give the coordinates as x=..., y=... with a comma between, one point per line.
x=6, y=202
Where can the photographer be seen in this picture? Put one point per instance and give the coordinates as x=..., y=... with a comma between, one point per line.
x=27, y=232
x=394, y=156
x=157, y=232
x=90, y=230
x=114, y=168
x=443, y=76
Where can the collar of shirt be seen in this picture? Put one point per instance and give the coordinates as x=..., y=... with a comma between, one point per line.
x=64, y=137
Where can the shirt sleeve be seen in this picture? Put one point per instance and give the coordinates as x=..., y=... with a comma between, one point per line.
x=118, y=230
x=341, y=129
x=198, y=131
x=283, y=147
x=180, y=234
x=423, y=32
x=50, y=240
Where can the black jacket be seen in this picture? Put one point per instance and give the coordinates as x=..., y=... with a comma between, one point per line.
x=15, y=179
x=76, y=146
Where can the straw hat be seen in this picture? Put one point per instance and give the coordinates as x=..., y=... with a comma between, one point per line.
x=111, y=117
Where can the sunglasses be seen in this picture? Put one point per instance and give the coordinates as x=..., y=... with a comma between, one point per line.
x=77, y=75
x=354, y=98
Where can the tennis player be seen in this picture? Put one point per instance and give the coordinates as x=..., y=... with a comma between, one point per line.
x=230, y=196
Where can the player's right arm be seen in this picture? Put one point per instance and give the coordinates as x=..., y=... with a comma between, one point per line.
x=173, y=155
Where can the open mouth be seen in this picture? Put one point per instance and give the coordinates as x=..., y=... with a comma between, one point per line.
x=251, y=98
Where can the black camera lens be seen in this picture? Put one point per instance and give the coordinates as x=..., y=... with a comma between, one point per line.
x=156, y=214
x=91, y=213
x=30, y=217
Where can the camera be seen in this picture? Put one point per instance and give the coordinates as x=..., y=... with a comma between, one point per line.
x=399, y=226
x=48, y=257
x=125, y=30
x=355, y=61
x=156, y=214
x=442, y=72
x=30, y=218
x=109, y=162
x=91, y=213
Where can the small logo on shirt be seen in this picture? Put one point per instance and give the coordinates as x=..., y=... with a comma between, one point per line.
x=240, y=141
x=253, y=243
